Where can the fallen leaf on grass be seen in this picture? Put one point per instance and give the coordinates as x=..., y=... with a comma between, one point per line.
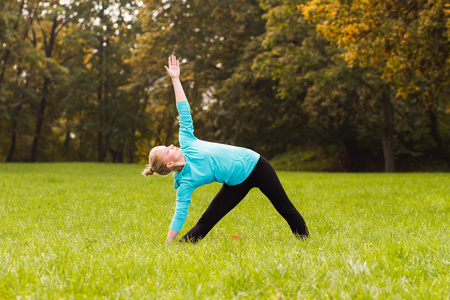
x=236, y=237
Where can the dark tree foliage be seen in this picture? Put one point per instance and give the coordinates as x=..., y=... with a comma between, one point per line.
x=359, y=86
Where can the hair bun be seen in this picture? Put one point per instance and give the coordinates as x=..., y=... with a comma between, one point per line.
x=148, y=171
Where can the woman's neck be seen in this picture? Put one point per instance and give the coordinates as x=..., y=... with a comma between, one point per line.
x=178, y=166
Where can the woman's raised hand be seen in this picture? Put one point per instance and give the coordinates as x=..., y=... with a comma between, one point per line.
x=174, y=72
x=174, y=67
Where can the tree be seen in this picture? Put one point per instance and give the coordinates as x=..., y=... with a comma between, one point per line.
x=101, y=114
x=31, y=54
x=247, y=113
x=406, y=41
x=209, y=37
x=312, y=79
x=19, y=66
x=55, y=48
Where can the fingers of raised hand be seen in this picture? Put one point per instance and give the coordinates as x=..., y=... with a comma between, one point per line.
x=173, y=61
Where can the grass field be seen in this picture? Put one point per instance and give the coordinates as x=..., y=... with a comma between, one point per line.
x=76, y=231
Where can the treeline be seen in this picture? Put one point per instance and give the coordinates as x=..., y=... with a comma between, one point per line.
x=363, y=85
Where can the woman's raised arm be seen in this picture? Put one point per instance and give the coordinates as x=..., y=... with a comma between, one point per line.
x=174, y=72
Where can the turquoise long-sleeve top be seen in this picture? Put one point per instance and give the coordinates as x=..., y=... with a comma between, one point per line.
x=206, y=162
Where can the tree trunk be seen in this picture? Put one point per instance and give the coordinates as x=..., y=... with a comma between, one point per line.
x=80, y=151
x=101, y=152
x=131, y=146
x=12, y=146
x=45, y=90
x=102, y=96
x=102, y=144
x=101, y=149
x=442, y=149
x=388, y=133
x=117, y=155
x=67, y=140
x=355, y=158
x=40, y=121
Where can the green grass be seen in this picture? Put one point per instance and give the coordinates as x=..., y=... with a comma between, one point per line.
x=76, y=231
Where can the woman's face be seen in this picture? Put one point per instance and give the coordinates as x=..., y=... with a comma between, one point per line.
x=169, y=154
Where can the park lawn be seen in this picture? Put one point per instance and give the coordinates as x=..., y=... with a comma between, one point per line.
x=73, y=230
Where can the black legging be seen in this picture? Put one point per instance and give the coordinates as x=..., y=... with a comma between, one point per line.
x=262, y=177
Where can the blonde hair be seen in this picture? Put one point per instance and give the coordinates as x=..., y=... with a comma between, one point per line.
x=155, y=165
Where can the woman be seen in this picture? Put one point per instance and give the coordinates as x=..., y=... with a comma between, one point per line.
x=198, y=162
